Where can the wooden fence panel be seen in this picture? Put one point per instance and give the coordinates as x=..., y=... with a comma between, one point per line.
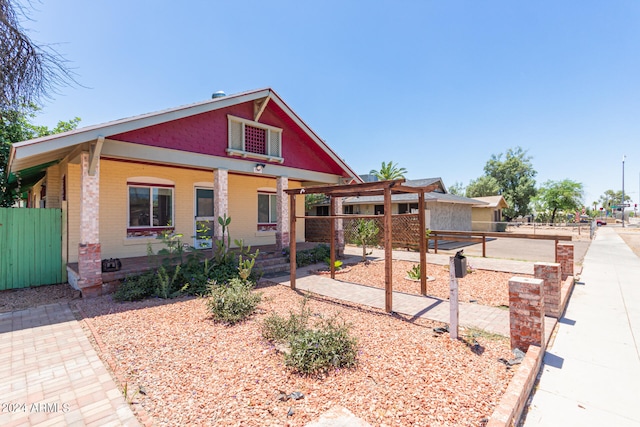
x=30, y=248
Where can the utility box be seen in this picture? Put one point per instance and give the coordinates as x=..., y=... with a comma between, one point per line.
x=460, y=265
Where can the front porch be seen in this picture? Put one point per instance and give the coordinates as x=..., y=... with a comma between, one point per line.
x=270, y=261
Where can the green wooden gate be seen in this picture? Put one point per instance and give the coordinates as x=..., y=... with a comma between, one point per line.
x=30, y=248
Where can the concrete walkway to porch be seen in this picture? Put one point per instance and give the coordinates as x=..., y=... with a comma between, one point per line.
x=51, y=375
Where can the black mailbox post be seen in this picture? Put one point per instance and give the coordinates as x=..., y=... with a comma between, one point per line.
x=460, y=264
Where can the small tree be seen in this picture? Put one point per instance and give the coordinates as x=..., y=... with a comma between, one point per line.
x=366, y=233
x=389, y=171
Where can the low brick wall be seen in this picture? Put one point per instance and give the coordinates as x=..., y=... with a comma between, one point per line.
x=565, y=293
x=512, y=404
x=565, y=258
x=550, y=274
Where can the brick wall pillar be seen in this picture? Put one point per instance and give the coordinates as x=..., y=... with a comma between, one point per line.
x=550, y=274
x=220, y=200
x=89, y=263
x=565, y=258
x=526, y=312
x=339, y=230
x=282, y=202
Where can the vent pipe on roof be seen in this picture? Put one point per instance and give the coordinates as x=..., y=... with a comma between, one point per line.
x=218, y=94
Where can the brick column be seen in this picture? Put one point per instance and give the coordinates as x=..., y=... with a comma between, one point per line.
x=549, y=273
x=526, y=312
x=89, y=263
x=282, y=202
x=220, y=200
x=339, y=227
x=565, y=258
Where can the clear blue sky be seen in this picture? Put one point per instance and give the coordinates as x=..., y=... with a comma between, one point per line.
x=435, y=86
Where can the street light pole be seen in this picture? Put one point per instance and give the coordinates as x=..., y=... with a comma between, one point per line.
x=623, y=157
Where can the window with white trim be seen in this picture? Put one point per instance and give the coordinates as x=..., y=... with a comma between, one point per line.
x=256, y=140
x=267, y=211
x=150, y=208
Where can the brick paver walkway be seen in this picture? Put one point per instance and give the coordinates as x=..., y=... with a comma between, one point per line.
x=50, y=375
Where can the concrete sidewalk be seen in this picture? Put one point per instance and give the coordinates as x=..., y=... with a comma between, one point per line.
x=50, y=375
x=591, y=372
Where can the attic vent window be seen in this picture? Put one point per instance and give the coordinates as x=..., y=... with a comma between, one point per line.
x=255, y=140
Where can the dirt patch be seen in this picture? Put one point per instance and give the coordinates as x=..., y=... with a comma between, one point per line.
x=631, y=237
x=197, y=372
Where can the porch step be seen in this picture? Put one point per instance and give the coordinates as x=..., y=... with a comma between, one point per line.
x=271, y=264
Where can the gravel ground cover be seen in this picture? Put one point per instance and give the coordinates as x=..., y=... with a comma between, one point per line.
x=194, y=371
x=481, y=286
x=20, y=299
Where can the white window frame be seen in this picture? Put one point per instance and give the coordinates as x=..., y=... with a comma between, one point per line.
x=237, y=148
x=150, y=187
x=272, y=197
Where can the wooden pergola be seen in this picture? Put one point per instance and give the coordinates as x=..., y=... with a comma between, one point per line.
x=378, y=188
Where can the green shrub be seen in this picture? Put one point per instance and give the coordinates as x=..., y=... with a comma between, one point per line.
x=414, y=272
x=317, y=350
x=136, y=288
x=310, y=256
x=232, y=302
x=279, y=329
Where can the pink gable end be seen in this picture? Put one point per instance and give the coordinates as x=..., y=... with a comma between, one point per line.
x=207, y=133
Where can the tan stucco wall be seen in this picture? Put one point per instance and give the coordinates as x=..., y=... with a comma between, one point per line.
x=482, y=219
x=243, y=206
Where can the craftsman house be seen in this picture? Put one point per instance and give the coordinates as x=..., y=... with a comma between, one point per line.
x=121, y=183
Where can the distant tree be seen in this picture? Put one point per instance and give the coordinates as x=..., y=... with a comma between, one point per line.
x=310, y=200
x=389, y=171
x=457, y=188
x=482, y=187
x=564, y=196
x=16, y=126
x=29, y=72
x=612, y=198
x=515, y=176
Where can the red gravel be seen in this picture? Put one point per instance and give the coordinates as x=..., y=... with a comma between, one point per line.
x=197, y=372
x=485, y=287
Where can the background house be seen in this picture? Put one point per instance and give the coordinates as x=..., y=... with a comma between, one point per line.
x=120, y=184
x=487, y=216
x=445, y=211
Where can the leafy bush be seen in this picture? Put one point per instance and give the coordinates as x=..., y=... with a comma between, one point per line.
x=310, y=256
x=330, y=346
x=232, y=302
x=136, y=288
x=311, y=350
x=278, y=329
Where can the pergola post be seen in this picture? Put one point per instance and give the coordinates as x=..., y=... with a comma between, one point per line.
x=332, y=238
x=292, y=236
x=388, y=252
x=423, y=244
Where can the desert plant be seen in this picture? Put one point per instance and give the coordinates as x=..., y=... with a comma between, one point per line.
x=232, y=302
x=366, y=233
x=136, y=288
x=337, y=263
x=279, y=329
x=167, y=282
x=414, y=272
x=317, y=350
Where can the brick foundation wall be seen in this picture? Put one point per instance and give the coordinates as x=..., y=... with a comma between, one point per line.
x=550, y=274
x=526, y=312
x=565, y=258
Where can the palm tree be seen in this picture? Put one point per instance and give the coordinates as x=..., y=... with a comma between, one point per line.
x=389, y=171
